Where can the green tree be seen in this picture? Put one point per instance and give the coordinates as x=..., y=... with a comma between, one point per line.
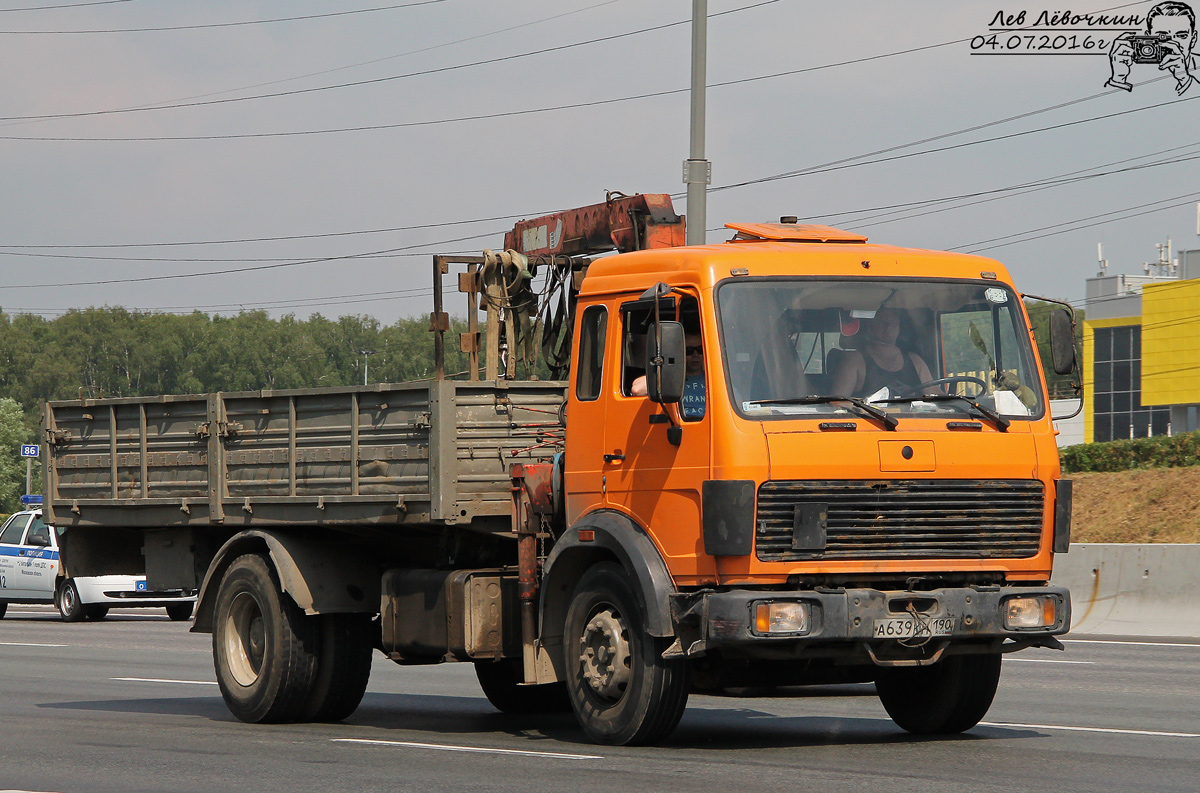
x=13, y=432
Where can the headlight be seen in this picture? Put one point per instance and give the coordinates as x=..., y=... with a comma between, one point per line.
x=1030, y=612
x=775, y=618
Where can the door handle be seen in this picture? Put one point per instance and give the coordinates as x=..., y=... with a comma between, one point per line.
x=610, y=458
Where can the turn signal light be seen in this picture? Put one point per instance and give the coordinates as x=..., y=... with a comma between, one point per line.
x=1030, y=612
x=777, y=618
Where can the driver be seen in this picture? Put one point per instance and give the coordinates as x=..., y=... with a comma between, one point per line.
x=879, y=362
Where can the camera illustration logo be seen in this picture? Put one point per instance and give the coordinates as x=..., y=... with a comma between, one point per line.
x=1168, y=43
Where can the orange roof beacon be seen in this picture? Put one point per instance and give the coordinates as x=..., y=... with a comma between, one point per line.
x=796, y=457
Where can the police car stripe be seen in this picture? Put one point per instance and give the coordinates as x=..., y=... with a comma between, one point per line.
x=23, y=553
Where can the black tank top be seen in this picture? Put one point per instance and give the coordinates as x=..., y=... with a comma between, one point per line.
x=877, y=377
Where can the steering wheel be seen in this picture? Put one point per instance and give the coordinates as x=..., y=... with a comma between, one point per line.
x=920, y=388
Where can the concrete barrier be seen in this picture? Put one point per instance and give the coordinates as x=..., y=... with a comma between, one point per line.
x=1132, y=590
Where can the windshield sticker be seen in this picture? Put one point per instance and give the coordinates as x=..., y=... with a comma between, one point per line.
x=995, y=295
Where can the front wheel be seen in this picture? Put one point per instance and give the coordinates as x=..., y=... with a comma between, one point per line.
x=622, y=690
x=948, y=697
x=69, y=604
x=264, y=646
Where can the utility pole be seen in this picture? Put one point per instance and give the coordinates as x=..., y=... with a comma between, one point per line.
x=697, y=171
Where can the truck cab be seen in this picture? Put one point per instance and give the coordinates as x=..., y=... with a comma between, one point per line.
x=811, y=532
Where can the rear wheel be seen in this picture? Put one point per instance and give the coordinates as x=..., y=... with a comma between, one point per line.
x=949, y=697
x=179, y=612
x=501, y=684
x=96, y=612
x=69, y=605
x=3, y=608
x=343, y=667
x=621, y=688
x=264, y=647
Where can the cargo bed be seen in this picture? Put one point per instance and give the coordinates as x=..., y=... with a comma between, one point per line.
x=434, y=452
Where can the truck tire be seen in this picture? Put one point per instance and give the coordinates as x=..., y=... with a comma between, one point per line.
x=343, y=667
x=178, y=612
x=69, y=605
x=3, y=608
x=949, y=697
x=264, y=646
x=622, y=690
x=501, y=684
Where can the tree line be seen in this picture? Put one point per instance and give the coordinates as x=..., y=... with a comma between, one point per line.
x=114, y=352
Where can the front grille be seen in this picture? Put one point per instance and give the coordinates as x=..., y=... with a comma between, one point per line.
x=883, y=519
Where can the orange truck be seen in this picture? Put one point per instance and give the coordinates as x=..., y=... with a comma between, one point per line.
x=792, y=458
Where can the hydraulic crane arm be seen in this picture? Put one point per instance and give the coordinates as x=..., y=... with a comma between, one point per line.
x=622, y=223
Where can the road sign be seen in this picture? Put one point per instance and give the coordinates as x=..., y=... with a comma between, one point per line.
x=30, y=450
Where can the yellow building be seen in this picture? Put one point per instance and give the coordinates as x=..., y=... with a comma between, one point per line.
x=1141, y=354
x=1171, y=343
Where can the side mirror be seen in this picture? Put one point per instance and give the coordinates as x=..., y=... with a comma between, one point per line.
x=665, y=365
x=1062, y=341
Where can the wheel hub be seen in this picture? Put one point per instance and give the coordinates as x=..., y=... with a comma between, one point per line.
x=606, y=661
x=245, y=639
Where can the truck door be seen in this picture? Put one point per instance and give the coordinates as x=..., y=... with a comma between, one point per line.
x=654, y=481
x=11, y=553
x=584, y=464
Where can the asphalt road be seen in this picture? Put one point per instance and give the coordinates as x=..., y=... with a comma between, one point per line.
x=130, y=705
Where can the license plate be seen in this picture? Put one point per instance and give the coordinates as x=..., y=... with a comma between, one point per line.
x=908, y=627
x=140, y=586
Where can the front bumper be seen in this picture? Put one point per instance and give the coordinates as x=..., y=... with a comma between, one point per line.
x=847, y=623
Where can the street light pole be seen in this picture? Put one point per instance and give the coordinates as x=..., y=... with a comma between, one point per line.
x=697, y=171
x=366, y=354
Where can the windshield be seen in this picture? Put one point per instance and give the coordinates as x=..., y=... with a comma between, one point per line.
x=886, y=342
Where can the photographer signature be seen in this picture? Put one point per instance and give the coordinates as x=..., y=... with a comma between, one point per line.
x=1169, y=41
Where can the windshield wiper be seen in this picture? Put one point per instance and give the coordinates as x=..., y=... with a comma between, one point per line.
x=863, y=408
x=979, y=410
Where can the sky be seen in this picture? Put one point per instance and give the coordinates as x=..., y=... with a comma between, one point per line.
x=305, y=157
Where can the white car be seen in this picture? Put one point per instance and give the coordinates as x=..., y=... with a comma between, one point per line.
x=30, y=572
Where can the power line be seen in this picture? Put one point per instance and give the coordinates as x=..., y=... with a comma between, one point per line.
x=390, y=78
x=322, y=235
x=1019, y=190
x=849, y=162
x=67, y=5
x=1188, y=198
x=1069, y=177
x=264, y=304
x=227, y=271
x=814, y=169
x=216, y=24
x=459, y=119
x=176, y=260
x=996, y=194
x=373, y=61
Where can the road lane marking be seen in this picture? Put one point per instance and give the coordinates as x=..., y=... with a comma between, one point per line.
x=477, y=749
x=163, y=680
x=1090, y=729
x=29, y=644
x=1044, y=661
x=1134, y=644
